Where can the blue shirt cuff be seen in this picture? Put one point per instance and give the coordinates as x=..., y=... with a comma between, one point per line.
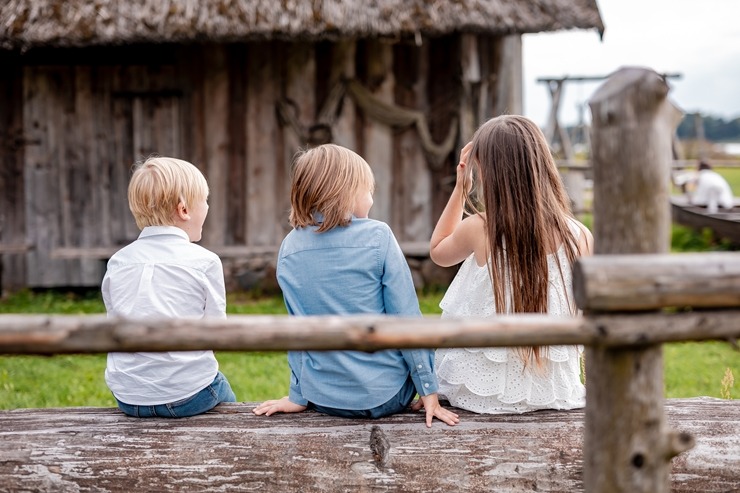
x=421, y=363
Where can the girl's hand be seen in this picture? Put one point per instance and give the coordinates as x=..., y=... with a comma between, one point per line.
x=431, y=404
x=465, y=170
x=278, y=406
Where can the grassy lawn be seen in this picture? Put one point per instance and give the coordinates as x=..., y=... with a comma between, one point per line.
x=732, y=175
x=691, y=369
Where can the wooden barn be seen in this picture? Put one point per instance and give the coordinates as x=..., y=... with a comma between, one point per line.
x=88, y=87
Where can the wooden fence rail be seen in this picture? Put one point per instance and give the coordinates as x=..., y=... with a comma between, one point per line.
x=66, y=334
x=229, y=448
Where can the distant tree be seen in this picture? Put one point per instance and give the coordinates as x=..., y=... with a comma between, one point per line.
x=715, y=129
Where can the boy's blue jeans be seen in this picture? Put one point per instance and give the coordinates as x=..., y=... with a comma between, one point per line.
x=396, y=404
x=218, y=391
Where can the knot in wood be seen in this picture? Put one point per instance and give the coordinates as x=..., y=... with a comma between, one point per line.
x=379, y=446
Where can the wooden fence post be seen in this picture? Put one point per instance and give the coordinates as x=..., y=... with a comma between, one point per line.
x=627, y=447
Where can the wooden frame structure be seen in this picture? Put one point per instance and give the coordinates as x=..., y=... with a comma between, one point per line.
x=628, y=444
x=237, y=88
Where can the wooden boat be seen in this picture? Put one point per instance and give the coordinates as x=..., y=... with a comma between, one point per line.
x=725, y=223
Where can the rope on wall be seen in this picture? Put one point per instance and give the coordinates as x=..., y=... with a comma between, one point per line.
x=373, y=107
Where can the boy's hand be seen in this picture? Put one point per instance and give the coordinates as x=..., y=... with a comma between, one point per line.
x=278, y=406
x=431, y=404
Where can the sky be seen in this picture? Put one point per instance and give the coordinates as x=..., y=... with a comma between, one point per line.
x=698, y=39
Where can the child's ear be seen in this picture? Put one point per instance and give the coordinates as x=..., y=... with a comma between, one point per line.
x=182, y=211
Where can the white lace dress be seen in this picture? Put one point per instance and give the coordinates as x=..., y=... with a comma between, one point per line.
x=494, y=380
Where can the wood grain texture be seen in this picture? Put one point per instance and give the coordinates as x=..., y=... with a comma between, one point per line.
x=63, y=334
x=230, y=449
x=649, y=282
x=626, y=438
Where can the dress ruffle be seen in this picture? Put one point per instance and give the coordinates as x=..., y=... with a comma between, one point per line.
x=495, y=380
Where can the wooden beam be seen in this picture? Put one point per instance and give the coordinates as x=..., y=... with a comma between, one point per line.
x=595, y=78
x=231, y=449
x=627, y=443
x=10, y=249
x=64, y=334
x=648, y=282
x=410, y=248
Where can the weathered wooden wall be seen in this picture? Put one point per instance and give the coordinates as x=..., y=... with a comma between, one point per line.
x=230, y=449
x=12, y=195
x=80, y=118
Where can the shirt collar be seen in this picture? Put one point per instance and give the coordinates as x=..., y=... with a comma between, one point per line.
x=319, y=217
x=163, y=230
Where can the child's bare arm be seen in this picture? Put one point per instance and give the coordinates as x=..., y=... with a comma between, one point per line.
x=278, y=406
x=451, y=240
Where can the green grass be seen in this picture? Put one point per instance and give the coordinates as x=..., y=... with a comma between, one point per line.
x=691, y=369
x=732, y=175
x=59, y=381
x=694, y=369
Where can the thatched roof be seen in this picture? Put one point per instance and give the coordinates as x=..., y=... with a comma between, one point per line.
x=29, y=23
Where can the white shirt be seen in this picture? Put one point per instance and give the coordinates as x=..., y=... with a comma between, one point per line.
x=712, y=190
x=162, y=275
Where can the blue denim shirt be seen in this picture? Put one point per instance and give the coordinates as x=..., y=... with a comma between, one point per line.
x=358, y=269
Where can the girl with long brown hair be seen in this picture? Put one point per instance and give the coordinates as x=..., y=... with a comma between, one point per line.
x=517, y=244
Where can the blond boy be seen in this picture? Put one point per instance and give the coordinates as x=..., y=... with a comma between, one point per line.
x=163, y=274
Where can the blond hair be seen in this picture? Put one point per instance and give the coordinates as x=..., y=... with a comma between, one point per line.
x=158, y=185
x=527, y=213
x=327, y=180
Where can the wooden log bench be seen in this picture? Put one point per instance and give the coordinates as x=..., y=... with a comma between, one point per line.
x=230, y=449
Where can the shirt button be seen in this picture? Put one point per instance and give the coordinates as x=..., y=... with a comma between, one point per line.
x=426, y=385
x=419, y=367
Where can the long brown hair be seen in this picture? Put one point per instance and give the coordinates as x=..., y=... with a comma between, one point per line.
x=527, y=213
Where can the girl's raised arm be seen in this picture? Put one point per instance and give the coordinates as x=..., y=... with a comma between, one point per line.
x=452, y=238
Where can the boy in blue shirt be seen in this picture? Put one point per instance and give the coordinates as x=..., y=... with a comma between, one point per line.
x=336, y=261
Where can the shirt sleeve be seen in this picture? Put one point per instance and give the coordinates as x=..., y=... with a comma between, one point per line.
x=421, y=366
x=215, y=303
x=295, y=362
x=399, y=297
x=399, y=293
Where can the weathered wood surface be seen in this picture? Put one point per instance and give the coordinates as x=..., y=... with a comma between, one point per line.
x=78, y=122
x=230, y=449
x=64, y=334
x=409, y=248
x=12, y=172
x=724, y=223
x=633, y=123
x=648, y=282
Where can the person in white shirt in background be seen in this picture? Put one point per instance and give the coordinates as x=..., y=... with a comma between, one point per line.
x=711, y=189
x=164, y=275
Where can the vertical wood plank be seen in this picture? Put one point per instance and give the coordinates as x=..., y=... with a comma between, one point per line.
x=377, y=137
x=262, y=129
x=509, y=98
x=235, y=194
x=12, y=189
x=299, y=80
x=42, y=124
x=103, y=154
x=627, y=448
x=123, y=227
x=84, y=179
x=411, y=183
x=488, y=77
x=216, y=141
x=470, y=66
x=443, y=95
x=343, y=67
